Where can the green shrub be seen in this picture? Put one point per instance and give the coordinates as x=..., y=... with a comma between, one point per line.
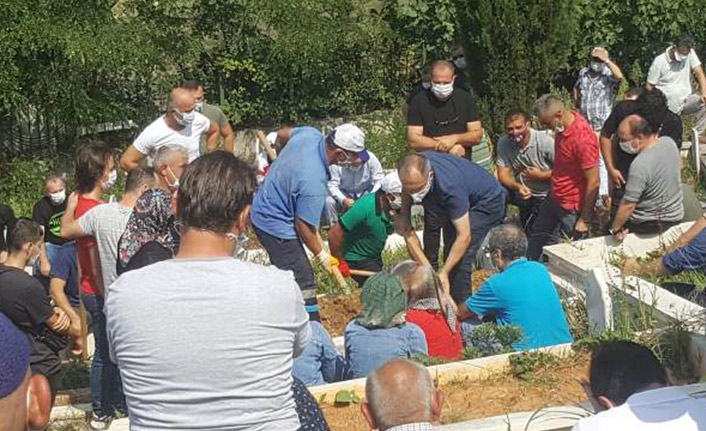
x=386, y=136
x=22, y=184
x=491, y=339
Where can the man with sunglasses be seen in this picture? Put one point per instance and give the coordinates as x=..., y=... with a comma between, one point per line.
x=286, y=211
x=181, y=125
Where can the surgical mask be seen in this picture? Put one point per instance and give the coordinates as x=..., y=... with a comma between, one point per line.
x=519, y=137
x=58, y=198
x=559, y=128
x=418, y=197
x=112, y=179
x=460, y=62
x=442, y=91
x=679, y=56
x=628, y=148
x=199, y=106
x=597, y=66
x=174, y=186
x=395, y=202
x=426, y=85
x=185, y=118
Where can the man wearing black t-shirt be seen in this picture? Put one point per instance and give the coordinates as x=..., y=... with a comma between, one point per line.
x=7, y=220
x=24, y=301
x=444, y=119
x=63, y=278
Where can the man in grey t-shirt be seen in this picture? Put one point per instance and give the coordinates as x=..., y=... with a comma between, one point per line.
x=653, y=198
x=525, y=158
x=205, y=341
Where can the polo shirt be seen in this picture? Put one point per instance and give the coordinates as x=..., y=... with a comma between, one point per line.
x=458, y=185
x=673, y=78
x=295, y=186
x=575, y=150
x=443, y=117
x=367, y=227
x=663, y=409
x=524, y=295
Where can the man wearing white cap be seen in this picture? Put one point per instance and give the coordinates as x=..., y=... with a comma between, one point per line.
x=359, y=239
x=287, y=209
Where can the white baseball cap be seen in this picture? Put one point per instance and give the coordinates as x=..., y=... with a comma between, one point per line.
x=349, y=137
x=391, y=183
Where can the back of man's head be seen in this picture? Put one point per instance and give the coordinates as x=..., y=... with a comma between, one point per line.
x=620, y=369
x=214, y=190
x=25, y=401
x=23, y=232
x=510, y=239
x=652, y=107
x=548, y=105
x=400, y=392
x=139, y=178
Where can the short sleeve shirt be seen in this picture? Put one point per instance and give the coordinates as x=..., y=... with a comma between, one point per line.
x=439, y=118
x=575, y=150
x=295, y=186
x=459, y=184
x=158, y=134
x=49, y=216
x=24, y=301
x=367, y=227
x=524, y=295
x=672, y=127
x=654, y=184
x=83, y=245
x=673, y=78
x=538, y=153
x=106, y=223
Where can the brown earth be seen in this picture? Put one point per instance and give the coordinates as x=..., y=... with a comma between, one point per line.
x=554, y=385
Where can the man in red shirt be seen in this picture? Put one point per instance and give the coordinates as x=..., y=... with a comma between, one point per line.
x=574, y=180
x=432, y=309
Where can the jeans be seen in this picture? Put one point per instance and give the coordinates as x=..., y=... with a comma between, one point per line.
x=552, y=221
x=529, y=209
x=691, y=257
x=320, y=362
x=106, y=388
x=64, y=265
x=483, y=216
x=289, y=255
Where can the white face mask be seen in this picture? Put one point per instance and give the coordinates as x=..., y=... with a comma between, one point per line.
x=559, y=127
x=58, y=198
x=418, y=197
x=185, y=118
x=460, y=62
x=597, y=66
x=172, y=186
x=679, y=56
x=395, y=202
x=112, y=179
x=628, y=148
x=199, y=106
x=426, y=85
x=442, y=91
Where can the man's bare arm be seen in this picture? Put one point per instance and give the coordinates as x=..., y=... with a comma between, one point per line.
x=589, y=198
x=403, y=226
x=228, y=137
x=336, y=236
x=623, y=215
x=212, y=137
x=131, y=158
x=418, y=142
x=308, y=235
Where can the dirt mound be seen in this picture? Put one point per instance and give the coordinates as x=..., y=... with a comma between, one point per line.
x=338, y=310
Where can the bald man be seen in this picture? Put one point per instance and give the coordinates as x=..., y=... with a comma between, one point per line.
x=180, y=125
x=400, y=395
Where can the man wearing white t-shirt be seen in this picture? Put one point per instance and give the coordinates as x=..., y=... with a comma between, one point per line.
x=630, y=390
x=180, y=125
x=671, y=73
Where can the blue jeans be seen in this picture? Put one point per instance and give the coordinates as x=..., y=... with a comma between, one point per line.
x=691, y=257
x=64, y=265
x=320, y=362
x=106, y=388
x=551, y=221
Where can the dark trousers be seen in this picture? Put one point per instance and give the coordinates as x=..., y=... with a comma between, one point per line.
x=374, y=265
x=434, y=221
x=650, y=227
x=106, y=387
x=552, y=221
x=483, y=216
x=529, y=209
x=289, y=255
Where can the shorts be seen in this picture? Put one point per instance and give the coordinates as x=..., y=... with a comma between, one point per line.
x=64, y=265
x=691, y=257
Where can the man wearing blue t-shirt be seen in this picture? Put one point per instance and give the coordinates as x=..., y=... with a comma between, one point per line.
x=522, y=294
x=287, y=208
x=465, y=196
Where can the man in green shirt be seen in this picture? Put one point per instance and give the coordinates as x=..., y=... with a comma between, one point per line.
x=213, y=113
x=359, y=238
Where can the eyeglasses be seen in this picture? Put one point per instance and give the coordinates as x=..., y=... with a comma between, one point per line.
x=453, y=119
x=455, y=57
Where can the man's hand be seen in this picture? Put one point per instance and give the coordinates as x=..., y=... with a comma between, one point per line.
x=347, y=203
x=458, y=150
x=600, y=53
x=533, y=173
x=616, y=177
x=72, y=202
x=326, y=260
x=61, y=321
x=445, y=143
x=524, y=192
x=581, y=228
x=620, y=234
x=445, y=283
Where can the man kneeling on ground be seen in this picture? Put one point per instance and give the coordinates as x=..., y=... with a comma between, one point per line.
x=522, y=294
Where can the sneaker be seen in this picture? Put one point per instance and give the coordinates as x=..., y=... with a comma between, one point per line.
x=99, y=423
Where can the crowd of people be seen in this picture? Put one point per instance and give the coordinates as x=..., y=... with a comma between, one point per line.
x=185, y=333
